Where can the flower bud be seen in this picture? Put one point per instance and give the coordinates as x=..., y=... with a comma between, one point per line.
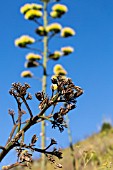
x=39, y=96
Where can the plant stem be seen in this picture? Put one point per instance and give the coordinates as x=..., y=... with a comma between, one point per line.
x=44, y=83
x=71, y=144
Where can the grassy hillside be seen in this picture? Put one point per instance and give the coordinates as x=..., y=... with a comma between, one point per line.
x=94, y=153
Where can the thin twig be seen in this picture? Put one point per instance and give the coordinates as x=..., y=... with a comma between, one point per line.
x=34, y=49
x=11, y=134
x=19, y=112
x=46, y=152
x=51, y=36
x=27, y=106
x=37, y=22
x=14, y=165
x=53, y=108
x=37, y=78
x=27, y=126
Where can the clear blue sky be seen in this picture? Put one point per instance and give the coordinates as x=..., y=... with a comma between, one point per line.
x=90, y=66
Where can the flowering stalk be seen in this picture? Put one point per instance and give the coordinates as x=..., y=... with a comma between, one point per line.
x=33, y=12
x=71, y=144
x=44, y=83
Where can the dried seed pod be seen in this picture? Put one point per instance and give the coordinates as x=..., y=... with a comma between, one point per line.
x=55, y=116
x=39, y=96
x=60, y=120
x=34, y=139
x=29, y=97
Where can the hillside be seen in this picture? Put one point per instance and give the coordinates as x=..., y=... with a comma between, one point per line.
x=93, y=153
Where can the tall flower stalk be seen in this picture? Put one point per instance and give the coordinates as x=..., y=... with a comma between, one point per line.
x=44, y=82
x=38, y=12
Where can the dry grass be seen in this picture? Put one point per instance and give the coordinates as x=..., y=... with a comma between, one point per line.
x=94, y=153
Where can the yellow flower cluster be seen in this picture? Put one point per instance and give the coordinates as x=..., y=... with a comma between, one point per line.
x=36, y=6
x=41, y=31
x=56, y=55
x=27, y=7
x=29, y=64
x=63, y=52
x=67, y=32
x=54, y=77
x=33, y=57
x=59, y=70
x=67, y=50
x=31, y=11
x=55, y=27
x=24, y=40
x=58, y=10
x=26, y=74
x=54, y=87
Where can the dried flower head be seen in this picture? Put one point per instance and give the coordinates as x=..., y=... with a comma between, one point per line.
x=67, y=32
x=30, y=63
x=33, y=57
x=56, y=55
x=41, y=31
x=60, y=8
x=54, y=27
x=24, y=40
x=34, y=139
x=19, y=90
x=39, y=96
x=11, y=112
x=32, y=13
x=26, y=74
x=67, y=50
x=29, y=96
x=25, y=156
x=59, y=70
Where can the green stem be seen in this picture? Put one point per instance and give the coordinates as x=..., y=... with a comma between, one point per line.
x=71, y=144
x=44, y=82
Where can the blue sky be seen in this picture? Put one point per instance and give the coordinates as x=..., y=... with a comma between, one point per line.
x=90, y=66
